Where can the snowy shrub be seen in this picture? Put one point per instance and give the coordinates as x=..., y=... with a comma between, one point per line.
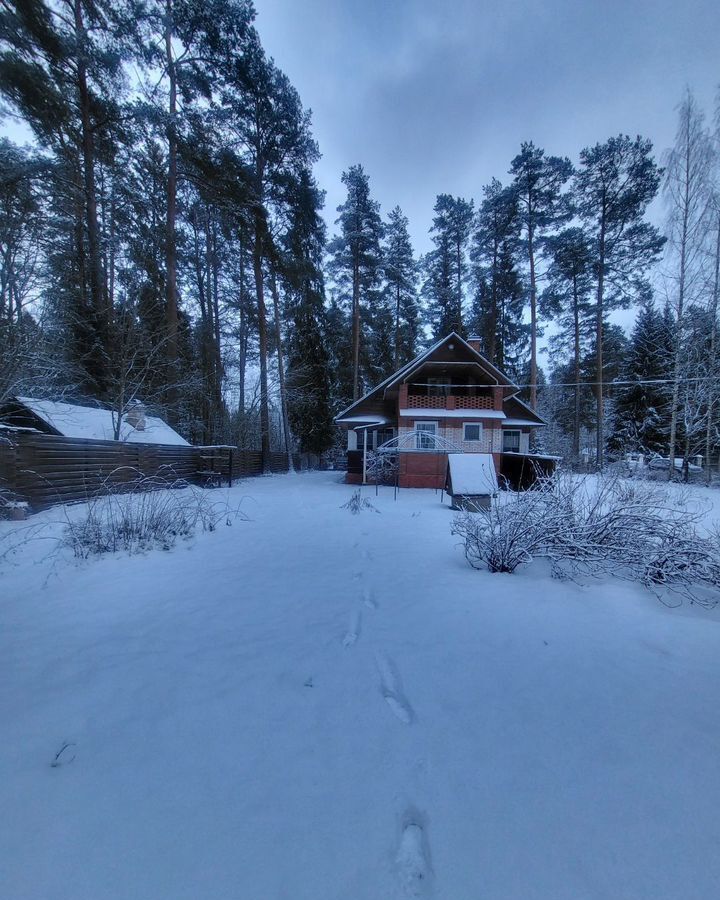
x=382, y=468
x=357, y=503
x=599, y=526
x=503, y=535
x=155, y=514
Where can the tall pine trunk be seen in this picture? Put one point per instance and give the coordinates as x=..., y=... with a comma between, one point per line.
x=281, y=364
x=576, y=368
x=599, y=406
x=713, y=349
x=356, y=326
x=171, y=308
x=217, y=346
x=677, y=355
x=533, y=316
x=88, y=155
x=243, y=333
x=262, y=322
x=396, y=360
x=458, y=311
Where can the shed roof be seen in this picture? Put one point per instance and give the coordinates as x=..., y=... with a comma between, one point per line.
x=471, y=474
x=96, y=423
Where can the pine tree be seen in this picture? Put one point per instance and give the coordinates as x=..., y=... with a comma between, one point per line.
x=498, y=301
x=446, y=266
x=537, y=182
x=400, y=270
x=567, y=301
x=195, y=46
x=640, y=412
x=355, y=262
x=309, y=385
x=611, y=191
x=497, y=314
x=61, y=70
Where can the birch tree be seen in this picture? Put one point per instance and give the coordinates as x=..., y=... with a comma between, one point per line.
x=686, y=189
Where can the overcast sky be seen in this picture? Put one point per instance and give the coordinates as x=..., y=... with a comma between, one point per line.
x=436, y=97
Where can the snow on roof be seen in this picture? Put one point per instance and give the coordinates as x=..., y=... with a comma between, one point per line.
x=453, y=413
x=371, y=420
x=95, y=423
x=472, y=473
x=526, y=423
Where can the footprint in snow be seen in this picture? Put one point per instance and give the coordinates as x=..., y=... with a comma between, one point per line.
x=413, y=862
x=353, y=632
x=369, y=599
x=391, y=688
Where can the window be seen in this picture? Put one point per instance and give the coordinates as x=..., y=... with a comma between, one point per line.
x=426, y=439
x=382, y=435
x=472, y=431
x=511, y=441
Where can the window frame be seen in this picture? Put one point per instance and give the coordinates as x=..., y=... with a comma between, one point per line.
x=518, y=432
x=479, y=438
x=436, y=427
x=378, y=431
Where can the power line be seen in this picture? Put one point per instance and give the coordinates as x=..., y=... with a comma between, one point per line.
x=620, y=383
x=548, y=384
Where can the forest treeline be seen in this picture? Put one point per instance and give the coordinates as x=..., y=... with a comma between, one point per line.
x=162, y=239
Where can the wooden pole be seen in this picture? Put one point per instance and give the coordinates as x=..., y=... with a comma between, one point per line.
x=365, y=431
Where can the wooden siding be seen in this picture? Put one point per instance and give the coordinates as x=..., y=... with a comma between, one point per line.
x=45, y=470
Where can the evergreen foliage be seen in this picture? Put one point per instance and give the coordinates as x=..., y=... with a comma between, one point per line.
x=640, y=415
x=355, y=266
x=446, y=267
x=498, y=302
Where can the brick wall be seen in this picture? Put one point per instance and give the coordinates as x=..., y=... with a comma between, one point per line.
x=423, y=470
x=452, y=430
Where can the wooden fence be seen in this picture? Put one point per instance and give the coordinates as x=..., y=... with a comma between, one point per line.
x=44, y=470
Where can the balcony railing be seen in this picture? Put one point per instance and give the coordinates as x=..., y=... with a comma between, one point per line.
x=449, y=401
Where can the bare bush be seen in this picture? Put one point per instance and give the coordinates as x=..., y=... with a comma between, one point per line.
x=155, y=513
x=599, y=526
x=357, y=503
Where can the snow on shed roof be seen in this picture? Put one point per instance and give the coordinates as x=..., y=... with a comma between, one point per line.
x=95, y=423
x=471, y=473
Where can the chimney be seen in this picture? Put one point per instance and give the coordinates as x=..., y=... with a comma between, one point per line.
x=135, y=416
x=474, y=342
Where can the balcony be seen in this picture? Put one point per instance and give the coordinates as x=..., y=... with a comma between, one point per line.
x=447, y=396
x=449, y=401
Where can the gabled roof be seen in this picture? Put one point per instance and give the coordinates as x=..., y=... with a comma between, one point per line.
x=404, y=372
x=95, y=423
x=521, y=412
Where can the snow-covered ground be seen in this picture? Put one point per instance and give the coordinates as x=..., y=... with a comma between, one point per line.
x=313, y=705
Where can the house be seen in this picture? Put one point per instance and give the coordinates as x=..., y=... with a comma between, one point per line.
x=90, y=422
x=449, y=399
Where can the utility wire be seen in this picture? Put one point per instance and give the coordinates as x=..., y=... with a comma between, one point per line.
x=582, y=383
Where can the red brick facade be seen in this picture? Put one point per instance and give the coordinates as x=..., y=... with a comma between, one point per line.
x=422, y=470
